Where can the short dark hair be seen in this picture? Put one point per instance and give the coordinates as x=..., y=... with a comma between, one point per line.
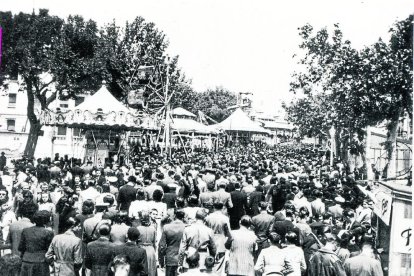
x=274, y=237
x=179, y=214
x=104, y=229
x=41, y=218
x=246, y=221
x=291, y=237
x=133, y=234
x=157, y=195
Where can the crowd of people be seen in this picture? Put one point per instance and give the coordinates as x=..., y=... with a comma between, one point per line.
x=239, y=211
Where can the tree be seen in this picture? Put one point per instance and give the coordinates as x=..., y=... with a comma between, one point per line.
x=124, y=51
x=214, y=103
x=351, y=89
x=52, y=57
x=387, y=81
x=327, y=82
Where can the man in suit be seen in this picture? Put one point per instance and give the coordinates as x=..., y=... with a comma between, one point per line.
x=99, y=253
x=16, y=229
x=127, y=194
x=239, y=201
x=261, y=224
x=170, y=243
x=136, y=254
x=197, y=236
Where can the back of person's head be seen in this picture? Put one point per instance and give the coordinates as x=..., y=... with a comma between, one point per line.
x=133, y=234
x=141, y=194
x=104, y=229
x=201, y=214
x=193, y=201
x=72, y=222
x=274, y=238
x=180, y=202
x=179, y=214
x=91, y=183
x=132, y=179
x=41, y=218
x=246, y=221
x=109, y=199
x=10, y=265
x=291, y=237
x=121, y=265
x=157, y=195
x=328, y=238
x=193, y=259
x=289, y=213
x=263, y=205
x=218, y=205
x=209, y=262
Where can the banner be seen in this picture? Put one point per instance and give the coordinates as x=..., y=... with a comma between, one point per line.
x=382, y=198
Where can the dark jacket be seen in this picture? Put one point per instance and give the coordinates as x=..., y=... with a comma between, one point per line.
x=170, y=243
x=99, y=255
x=325, y=263
x=239, y=200
x=34, y=244
x=127, y=194
x=137, y=256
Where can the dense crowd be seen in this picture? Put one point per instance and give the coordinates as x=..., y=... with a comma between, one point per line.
x=238, y=211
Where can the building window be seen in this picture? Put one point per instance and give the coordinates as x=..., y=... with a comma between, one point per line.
x=11, y=124
x=61, y=131
x=12, y=99
x=76, y=132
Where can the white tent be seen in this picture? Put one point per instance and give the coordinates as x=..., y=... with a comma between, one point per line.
x=239, y=121
x=179, y=111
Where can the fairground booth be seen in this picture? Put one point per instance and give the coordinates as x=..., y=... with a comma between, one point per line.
x=393, y=224
x=103, y=129
x=240, y=129
x=189, y=133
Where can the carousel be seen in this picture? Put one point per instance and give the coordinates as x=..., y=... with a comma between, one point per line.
x=106, y=129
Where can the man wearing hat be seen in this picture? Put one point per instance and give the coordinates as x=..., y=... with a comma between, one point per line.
x=199, y=237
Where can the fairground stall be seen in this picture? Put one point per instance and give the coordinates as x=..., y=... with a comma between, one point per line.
x=393, y=224
x=103, y=129
x=240, y=129
x=188, y=133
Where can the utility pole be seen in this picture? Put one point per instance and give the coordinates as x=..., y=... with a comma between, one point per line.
x=167, y=141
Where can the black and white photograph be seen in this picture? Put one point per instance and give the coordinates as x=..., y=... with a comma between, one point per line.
x=206, y=137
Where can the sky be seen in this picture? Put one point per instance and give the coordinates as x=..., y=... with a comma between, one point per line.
x=241, y=45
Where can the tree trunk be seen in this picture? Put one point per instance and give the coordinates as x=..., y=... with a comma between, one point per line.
x=35, y=125
x=391, y=147
x=32, y=139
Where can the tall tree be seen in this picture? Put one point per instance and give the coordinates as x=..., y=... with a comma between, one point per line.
x=51, y=58
x=134, y=60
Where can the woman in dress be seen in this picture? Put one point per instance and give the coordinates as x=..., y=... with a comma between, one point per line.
x=45, y=204
x=34, y=244
x=147, y=240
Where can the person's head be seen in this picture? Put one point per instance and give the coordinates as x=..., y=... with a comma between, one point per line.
x=3, y=195
x=329, y=241
x=291, y=237
x=10, y=265
x=74, y=224
x=109, y=199
x=201, y=214
x=193, y=258
x=157, y=195
x=41, y=218
x=218, y=206
x=349, y=215
x=132, y=179
x=88, y=206
x=121, y=265
x=209, y=263
x=193, y=201
x=246, y=221
x=133, y=234
x=180, y=214
x=45, y=197
x=274, y=238
x=104, y=230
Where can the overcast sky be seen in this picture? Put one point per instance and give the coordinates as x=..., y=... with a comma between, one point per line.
x=242, y=45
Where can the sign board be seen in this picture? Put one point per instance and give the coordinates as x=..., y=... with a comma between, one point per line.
x=382, y=198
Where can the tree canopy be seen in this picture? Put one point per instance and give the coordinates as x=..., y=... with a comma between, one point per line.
x=351, y=89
